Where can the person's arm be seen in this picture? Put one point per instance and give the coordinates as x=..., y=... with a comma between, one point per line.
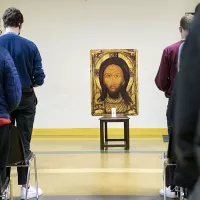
x=162, y=78
x=38, y=72
x=187, y=104
x=12, y=84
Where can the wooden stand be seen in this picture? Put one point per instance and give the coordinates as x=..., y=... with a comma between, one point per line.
x=104, y=132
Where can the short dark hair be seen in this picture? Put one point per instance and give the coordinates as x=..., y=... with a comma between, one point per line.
x=186, y=22
x=12, y=17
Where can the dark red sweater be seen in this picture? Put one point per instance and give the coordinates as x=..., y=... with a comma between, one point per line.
x=168, y=69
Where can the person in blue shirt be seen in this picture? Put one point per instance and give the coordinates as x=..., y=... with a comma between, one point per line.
x=28, y=63
x=10, y=97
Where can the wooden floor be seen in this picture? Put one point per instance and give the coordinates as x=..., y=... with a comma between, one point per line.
x=77, y=167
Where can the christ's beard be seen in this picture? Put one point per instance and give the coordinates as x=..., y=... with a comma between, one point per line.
x=115, y=94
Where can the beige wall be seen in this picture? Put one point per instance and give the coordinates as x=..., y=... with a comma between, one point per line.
x=66, y=30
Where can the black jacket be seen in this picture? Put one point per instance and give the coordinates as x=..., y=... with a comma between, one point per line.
x=187, y=106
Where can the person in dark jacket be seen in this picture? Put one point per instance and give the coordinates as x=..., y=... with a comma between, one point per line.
x=165, y=81
x=10, y=97
x=28, y=62
x=187, y=110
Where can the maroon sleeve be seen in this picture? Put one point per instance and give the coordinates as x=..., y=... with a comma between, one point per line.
x=162, y=78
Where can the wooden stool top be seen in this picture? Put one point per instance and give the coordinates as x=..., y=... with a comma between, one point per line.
x=118, y=118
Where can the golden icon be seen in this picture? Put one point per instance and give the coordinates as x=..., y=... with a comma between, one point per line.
x=114, y=81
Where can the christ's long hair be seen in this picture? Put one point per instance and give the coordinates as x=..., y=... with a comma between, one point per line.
x=125, y=69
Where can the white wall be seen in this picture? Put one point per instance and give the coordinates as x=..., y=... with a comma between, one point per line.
x=66, y=30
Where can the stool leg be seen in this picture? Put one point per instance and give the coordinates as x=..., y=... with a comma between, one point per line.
x=36, y=177
x=11, y=190
x=101, y=136
x=127, y=135
x=28, y=180
x=106, y=132
x=164, y=177
x=185, y=193
x=181, y=191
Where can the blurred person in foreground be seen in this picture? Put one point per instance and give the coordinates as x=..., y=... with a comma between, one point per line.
x=10, y=97
x=187, y=110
